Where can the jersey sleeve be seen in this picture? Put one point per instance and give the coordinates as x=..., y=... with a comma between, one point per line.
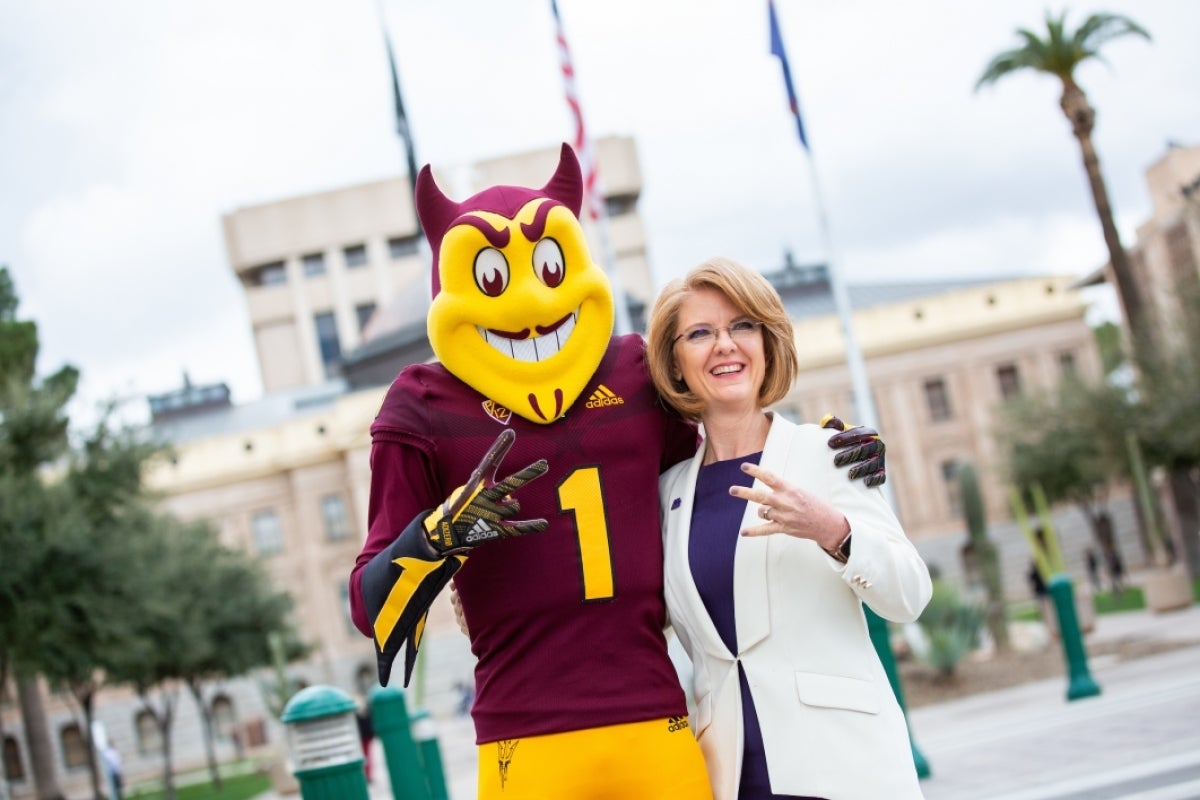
x=396, y=576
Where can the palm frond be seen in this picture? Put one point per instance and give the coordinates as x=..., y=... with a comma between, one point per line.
x=1058, y=51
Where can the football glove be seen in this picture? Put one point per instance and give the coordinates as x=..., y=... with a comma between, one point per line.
x=860, y=446
x=401, y=582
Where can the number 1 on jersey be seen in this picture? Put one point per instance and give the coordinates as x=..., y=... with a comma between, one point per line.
x=580, y=493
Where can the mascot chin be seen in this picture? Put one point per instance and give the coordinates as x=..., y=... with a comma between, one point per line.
x=558, y=566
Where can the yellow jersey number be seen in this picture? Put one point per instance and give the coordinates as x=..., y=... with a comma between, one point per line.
x=581, y=494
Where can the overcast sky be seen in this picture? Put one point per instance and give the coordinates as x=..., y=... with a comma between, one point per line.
x=127, y=127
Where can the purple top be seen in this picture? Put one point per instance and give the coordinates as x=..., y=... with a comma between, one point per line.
x=716, y=526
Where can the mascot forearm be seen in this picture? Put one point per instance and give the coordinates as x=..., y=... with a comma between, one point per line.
x=401, y=582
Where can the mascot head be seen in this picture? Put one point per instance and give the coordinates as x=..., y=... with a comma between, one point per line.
x=520, y=312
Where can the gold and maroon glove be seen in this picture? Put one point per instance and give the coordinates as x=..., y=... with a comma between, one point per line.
x=475, y=514
x=401, y=582
x=860, y=446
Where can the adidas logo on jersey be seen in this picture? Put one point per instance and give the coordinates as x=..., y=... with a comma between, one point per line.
x=677, y=724
x=603, y=396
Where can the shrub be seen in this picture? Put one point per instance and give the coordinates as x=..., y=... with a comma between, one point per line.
x=951, y=627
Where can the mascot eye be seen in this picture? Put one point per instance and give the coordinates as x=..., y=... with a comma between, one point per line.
x=548, y=262
x=491, y=272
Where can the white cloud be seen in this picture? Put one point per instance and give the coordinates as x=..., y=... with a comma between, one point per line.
x=131, y=127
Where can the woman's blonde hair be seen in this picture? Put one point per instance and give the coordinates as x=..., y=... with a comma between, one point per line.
x=755, y=297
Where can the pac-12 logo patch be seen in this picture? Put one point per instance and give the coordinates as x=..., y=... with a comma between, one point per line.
x=497, y=411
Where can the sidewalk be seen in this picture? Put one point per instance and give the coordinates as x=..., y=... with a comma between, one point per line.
x=1140, y=738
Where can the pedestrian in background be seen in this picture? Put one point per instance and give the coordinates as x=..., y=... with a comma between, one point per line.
x=366, y=734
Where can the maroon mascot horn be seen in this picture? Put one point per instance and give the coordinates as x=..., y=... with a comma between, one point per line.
x=438, y=213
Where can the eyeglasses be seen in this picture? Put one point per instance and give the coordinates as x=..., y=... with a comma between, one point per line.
x=706, y=334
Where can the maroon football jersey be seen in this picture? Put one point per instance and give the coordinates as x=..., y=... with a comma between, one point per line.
x=567, y=624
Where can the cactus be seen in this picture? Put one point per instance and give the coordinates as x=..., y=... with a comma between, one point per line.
x=986, y=555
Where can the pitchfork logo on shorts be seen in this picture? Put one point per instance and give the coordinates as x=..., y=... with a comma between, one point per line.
x=497, y=411
x=603, y=396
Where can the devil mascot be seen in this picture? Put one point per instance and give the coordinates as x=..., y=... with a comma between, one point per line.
x=576, y=696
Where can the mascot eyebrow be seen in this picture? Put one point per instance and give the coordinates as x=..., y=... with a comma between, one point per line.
x=496, y=238
x=499, y=237
x=534, y=230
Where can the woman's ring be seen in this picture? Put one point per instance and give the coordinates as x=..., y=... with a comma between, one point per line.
x=765, y=512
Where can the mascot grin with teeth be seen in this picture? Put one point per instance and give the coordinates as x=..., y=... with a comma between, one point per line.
x=575, y=693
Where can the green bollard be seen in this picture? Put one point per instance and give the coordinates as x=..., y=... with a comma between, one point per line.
x=424, y=733
x=878, y=628
x=393, y=728
x=1079, y=680
x=326, y=753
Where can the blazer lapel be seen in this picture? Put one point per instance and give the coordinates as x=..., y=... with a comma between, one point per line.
x=752, y=609
x=679, y=532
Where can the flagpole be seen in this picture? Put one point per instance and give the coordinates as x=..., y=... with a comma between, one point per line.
x=865, y=405
x=876, y=625
x=593, y=199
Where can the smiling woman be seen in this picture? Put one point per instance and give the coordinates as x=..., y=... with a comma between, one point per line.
x=762, y=583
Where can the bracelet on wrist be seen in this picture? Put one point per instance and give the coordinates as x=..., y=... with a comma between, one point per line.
x=842, y=553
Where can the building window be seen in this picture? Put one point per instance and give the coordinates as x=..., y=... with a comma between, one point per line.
x=401, y=246
x=74, y=747
x=14, y=767
x=623, y=204
x=1010, y=381
x=268, y=533
x=314, y=264
x=1067, y=365
x=273, y=274
x=333, y=511
x=328, y=342
x=953, y=488
x=355, y=255
x=938, y=399
x=364, y=312
x=223, y=719
x=149, y=737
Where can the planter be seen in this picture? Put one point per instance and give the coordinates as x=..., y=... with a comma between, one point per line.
x=1167, y=588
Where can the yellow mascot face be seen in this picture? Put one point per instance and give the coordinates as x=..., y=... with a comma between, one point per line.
x=520, y=312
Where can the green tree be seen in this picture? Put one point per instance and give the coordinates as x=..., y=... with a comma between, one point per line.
x=985, y=555
x=238, y=612
x=33, y=435
x=1168, y=423
x=85, y=569
x=1058, y=53
x=206, y=613
x=1070, y=441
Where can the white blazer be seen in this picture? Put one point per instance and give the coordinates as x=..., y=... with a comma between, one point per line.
x=831, y=724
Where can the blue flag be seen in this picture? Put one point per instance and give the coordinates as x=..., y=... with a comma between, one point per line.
x=777, y=50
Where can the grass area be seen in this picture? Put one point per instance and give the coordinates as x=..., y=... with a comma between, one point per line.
x=1129, y=600
x=1132, y=599
x=233, y=787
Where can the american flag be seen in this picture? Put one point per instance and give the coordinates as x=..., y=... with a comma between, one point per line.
x=593, y=196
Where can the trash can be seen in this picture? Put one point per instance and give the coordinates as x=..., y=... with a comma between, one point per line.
x=326, y=754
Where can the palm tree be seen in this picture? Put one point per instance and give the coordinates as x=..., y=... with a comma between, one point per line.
x=1058, y=54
